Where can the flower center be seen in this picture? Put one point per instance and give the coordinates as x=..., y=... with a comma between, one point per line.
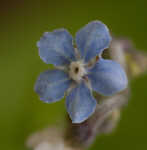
x=77, y=70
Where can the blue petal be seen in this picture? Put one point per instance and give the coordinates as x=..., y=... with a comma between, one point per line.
x=80, y=103
x=92, y=39
x=56, y=47
x=108, y=77
x=51, y=85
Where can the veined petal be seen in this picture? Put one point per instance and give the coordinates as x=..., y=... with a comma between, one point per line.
x=92, y=39
x=56, y=47
x=80, y=103
x=51, y=85
x=107, y=77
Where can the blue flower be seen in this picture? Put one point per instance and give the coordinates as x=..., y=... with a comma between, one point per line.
x=78, y=69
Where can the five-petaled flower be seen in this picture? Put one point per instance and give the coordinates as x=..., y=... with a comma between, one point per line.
x=78, y=69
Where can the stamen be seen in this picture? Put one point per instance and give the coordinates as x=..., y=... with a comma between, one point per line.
x=85, y=78
x=87, y=81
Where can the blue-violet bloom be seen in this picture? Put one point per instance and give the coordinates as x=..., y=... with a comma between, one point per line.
x=79, y=69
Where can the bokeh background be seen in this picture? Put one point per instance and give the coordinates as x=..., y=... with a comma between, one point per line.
x=22, y=22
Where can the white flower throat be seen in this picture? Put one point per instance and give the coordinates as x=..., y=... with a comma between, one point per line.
x=77, y=70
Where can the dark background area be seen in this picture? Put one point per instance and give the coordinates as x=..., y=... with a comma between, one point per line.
x=22, y=23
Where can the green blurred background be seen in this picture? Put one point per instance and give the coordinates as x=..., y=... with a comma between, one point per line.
x=22, y=23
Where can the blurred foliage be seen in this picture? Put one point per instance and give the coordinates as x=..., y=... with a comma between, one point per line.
x=22, y=23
